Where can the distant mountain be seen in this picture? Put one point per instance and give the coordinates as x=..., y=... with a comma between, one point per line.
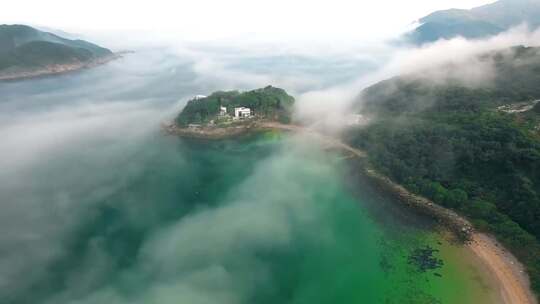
x=479, y=22
x=26, y=51
x=61, y=33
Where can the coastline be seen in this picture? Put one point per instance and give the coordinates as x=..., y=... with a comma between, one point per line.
x=509, y=274
x=217, y=133
x=503, y=267
x=59, y=69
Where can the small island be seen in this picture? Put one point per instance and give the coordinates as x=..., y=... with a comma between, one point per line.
x=229, y=113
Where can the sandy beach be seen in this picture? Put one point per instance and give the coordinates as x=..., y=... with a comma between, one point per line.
x=512, y=281
x=506, y=271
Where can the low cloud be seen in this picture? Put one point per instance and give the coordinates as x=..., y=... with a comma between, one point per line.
x=219, y=254
x=75, y=145
x=60, y=139
x=458, y=60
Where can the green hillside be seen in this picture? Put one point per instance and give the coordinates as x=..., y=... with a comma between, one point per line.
x=453, y=144
x=25, y=47
x=266, y=103
x=516, y=78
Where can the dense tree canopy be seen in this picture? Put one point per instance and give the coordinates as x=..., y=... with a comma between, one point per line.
x=449, y=142
x=269, y=102
x=516, y=77
x=25, y=47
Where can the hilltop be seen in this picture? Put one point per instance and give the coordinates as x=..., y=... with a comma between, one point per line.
x=229, y=113
x=27, y=52
x=479, y=22
x=266, y=103
x=513, y=77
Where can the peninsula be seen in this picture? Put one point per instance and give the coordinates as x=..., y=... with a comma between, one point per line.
x=26, y=52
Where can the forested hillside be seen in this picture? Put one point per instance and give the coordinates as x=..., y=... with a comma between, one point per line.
x=479, y=22
x=269, y=102
x=454, y=144
x=23, y=47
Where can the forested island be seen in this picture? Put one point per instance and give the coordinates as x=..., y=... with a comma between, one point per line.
x=226, y=113
x=474, y=149
x=27, y=52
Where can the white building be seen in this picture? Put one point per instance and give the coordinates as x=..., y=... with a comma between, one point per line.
x=242, y=112
x=198, y=97
x=356, y=120
x=222, y=111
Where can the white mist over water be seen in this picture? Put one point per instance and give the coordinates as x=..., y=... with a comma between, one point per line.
x=72, y=142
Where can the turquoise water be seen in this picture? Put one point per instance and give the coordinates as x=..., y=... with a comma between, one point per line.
x=268, y=218
x=98, y=206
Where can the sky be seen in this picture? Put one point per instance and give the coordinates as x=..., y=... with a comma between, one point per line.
x=208, y=20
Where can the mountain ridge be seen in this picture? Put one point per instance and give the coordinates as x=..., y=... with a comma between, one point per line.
x=479, y=22
x=28, y=52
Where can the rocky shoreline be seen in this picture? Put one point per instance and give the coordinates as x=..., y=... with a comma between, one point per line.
x=217, y=132
x=461, y=227
x=513, y=282
x=58, y=69
x=449, y=219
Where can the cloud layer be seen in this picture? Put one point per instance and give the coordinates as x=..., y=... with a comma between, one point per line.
x=79, y=150
x=458, y=60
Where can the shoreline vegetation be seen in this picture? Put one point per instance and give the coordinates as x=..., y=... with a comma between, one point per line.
x=509, y=274
x=512, y=280
x=58, y=69
x=475, y=150
x=218, y=116
x=217, y=133
x=225, y=114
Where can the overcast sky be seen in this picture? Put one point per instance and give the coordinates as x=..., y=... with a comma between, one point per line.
x=207, y=19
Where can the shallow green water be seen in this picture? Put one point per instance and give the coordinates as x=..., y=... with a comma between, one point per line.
x=263, y=219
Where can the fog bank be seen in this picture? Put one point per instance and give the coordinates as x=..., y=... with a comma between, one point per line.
x=458, y=60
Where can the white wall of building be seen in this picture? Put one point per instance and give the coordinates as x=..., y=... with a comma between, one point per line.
x=242, y=112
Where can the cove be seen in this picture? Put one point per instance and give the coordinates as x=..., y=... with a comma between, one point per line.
x=266, y=218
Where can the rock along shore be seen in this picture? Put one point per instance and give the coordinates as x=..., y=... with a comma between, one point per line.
x=219, y=132
x=509, y=274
